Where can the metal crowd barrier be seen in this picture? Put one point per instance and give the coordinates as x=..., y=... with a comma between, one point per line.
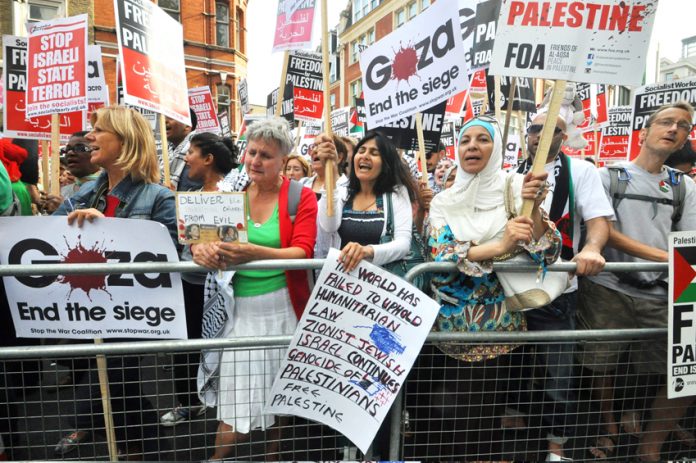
x=433, y=418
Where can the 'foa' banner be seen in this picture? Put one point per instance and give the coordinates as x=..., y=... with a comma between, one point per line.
x=92, y=306
x=596, y=41
x=57, y=66
x=415, y=67
x=151, y=44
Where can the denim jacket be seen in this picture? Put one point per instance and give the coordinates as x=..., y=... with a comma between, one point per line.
x=138, y=200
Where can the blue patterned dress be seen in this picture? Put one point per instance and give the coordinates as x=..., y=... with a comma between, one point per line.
x=473, y=300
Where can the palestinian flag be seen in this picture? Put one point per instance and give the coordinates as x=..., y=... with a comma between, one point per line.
x=684, y=286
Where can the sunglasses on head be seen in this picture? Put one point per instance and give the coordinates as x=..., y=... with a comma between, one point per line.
x=537, y=128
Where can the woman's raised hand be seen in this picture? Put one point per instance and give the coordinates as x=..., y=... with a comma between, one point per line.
x=325, y=148
x=535, y=187
x=517, y=230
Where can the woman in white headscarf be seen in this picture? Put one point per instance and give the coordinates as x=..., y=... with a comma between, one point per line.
x=469, y=225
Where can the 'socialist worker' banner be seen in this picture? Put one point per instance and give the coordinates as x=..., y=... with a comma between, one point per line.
x=597, y=41
x=681, y=338
x=415, y=67
x=352, y=350
x=201, y=101
x=57, y=66
x=15, y=121
x=649, y=98
x=151, y=44
x=92, y=306
x=304, y=73
x=294, y=25
x=614, y=145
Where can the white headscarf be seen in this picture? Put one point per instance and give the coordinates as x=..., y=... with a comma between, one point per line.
x=474, y=207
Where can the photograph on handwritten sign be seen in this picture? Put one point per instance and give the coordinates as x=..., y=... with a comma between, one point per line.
x=203, y=217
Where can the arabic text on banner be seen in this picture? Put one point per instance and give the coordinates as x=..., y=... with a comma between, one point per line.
x=648, y=98
x=352, y=350
x=57, y=66
x=294, y=25
x=15, y=121
x=92, y=306
x=681, y=337
x=597, y=41
x=154, y=72
x=304, y=73
x=614, y=145
x=415, y=67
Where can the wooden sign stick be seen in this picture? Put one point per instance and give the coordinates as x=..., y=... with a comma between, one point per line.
x=106, y=405
x=45, y=172
x=508, y=112
x=298, y=138
x=521, y=117
x=546, y=138
x=165, y=152
x=329, y=180
x=281, y=87
x=421, y=149
x=497, y=95
x=55, y=154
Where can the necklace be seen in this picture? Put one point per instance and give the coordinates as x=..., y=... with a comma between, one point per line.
x=366, y=207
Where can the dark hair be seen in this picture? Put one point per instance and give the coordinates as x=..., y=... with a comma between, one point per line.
x=342, y=152
x=683, y=155
x=223, y=150
x=394, y=169
x=80, y=134
x=589, y=159
x=440, y=147
x=194, y=119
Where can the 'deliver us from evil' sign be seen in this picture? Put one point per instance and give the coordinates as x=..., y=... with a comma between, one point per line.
x=595, y=41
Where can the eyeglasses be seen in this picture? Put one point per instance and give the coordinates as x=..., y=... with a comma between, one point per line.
x=669, y=123
x=78, y=149
x=537, y=128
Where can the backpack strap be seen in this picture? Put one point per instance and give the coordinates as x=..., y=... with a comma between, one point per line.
x=390, y=217
x=617, y=184
x=676, y=179
x=294, y=195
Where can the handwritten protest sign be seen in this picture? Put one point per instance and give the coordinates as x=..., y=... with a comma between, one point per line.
x=154, y=72
x=614, y=146
x=681, y=341
x=211, y=216
x=352, y=350
x=15, y=121
x=648, y=98
x=404, y=135
x=57, y=66
x=304, y=73
x=92, y=306
x=294, y=25
x=415, y=67
x=201, y=102
x=597, y=41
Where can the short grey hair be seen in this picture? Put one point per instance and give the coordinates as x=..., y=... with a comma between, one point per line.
x=274, y=130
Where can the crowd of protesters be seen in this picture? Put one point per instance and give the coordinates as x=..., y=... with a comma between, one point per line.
x=382, y=210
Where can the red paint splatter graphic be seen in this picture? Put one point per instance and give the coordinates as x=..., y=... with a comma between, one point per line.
x=82, y=255
x=405, y=63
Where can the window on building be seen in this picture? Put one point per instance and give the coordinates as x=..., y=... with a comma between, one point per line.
x=172, y=7
x=222, y=24
x=669, y=77
x=355, y=91
x=239, y=31
x=400, y=18
x=361, y=8
x=332, y=98
x=412, y=10
x=31, y=11
x=223, y=98
x=425, y=4
x=42, y=11
x=688, y=49
x=359, y=44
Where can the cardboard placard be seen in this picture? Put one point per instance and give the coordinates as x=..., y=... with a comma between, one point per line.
x=352, y=350
x=415, y=67
x=92, y=306
x=596, y=41
x=211, y=216
x=153, y=67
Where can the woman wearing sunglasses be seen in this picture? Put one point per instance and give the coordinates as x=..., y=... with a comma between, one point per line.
x=470, y=227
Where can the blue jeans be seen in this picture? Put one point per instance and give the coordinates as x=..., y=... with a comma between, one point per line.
x=557, y=362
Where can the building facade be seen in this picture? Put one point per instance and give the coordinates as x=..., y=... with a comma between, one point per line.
x=214, y=38
x=684, y=67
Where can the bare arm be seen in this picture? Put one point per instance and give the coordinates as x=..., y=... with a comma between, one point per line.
x=623, y=243
x=590, y=260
